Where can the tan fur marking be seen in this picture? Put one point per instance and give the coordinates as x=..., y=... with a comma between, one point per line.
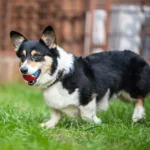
x=50, y=39
x=53, y=46
x=47, y=64
x=33, y=63
x=43, y=37
x=22, y=39
x=139, y=102
x=16, y=41
x=24, y=52
x=33, y=52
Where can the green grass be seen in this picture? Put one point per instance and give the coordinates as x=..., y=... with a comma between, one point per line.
x=22, y=109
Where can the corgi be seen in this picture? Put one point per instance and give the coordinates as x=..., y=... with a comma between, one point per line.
x=81, y=86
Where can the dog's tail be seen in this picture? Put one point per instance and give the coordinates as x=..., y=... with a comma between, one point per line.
x=144, y=83
x=148, y=79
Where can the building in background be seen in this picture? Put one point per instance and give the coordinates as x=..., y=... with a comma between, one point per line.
x=82, y=26
x=118, y=25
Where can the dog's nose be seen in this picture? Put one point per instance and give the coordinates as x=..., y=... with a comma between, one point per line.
x=24, y=70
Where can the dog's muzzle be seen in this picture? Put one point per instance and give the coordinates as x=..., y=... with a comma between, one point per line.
x=32, y=79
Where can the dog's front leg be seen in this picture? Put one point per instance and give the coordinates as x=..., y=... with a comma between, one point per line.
x=55, y=117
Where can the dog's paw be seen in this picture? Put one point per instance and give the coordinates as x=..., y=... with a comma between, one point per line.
x=139, y=114
x=47, y=124
x=42, y=125
x=97, y=120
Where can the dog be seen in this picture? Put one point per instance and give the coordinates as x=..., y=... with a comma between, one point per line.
x=81, y=86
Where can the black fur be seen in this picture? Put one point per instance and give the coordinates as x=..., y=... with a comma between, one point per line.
x=96, y=73
x=40, y=47
x=114, y=70
x=95, y=76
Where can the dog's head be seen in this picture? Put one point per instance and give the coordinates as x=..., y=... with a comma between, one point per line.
x=38, y=57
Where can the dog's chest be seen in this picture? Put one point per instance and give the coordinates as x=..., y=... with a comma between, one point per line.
x=58, y=97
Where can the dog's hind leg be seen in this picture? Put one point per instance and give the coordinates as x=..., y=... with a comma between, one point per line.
x=139, y=111
x=103, y=103
x=55, y=117
x=88, y=112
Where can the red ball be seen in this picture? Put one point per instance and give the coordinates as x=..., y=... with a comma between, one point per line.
x=29, y=77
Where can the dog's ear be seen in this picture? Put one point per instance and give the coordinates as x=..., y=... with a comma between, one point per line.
x=17, y=39
x=49, y=37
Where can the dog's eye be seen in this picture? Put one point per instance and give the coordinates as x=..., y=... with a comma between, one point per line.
x=37, y=57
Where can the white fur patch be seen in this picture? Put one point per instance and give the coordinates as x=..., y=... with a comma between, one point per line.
x=139, y=113
x=88, y=112
x=104, y=102
x=44, y=81
x=57, y=97
x=65, y=61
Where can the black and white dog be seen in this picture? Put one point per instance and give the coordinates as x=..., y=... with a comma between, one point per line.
x=80, y=86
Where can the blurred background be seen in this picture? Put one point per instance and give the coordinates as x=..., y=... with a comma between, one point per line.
x=82, y=27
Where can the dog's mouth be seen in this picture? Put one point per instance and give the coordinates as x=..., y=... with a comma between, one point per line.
x=32, y=79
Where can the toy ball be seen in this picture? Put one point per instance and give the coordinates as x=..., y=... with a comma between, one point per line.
x=31, y=77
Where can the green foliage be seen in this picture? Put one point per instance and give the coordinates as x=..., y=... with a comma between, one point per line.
x=22, y=109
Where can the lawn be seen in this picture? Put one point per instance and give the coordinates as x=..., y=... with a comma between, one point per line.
x=22, y=109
